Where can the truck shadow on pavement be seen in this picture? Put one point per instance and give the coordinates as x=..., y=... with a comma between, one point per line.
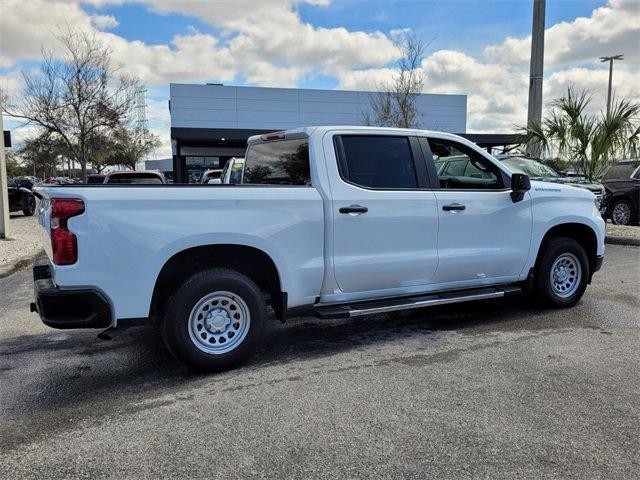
x=137, y=359
x=43, y=374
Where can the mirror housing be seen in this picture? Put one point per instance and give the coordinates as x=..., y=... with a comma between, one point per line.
x=520, y=183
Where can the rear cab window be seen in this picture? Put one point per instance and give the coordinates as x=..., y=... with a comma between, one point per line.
x=278, y=162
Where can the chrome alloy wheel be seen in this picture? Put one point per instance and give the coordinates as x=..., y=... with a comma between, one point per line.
x=621, y=214
x=219, y=322
x=566, y=274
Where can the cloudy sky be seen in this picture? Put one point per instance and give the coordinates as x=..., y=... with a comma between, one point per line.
x=478, y=48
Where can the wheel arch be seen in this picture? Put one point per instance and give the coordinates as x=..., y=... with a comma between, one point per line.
x=248, y=260
x=581, y=233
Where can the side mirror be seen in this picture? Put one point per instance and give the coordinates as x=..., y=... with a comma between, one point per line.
x=520, y=183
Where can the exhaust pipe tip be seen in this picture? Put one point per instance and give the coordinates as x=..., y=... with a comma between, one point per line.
x=106, y=334
x=111, y=333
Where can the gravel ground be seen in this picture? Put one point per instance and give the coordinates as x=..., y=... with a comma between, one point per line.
x=497, y=390
x=24, y=240
x=625, y=231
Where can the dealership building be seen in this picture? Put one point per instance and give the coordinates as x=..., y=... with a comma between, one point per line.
x=211, y=123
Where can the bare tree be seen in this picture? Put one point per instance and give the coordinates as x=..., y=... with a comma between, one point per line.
x=394, y=105
x=78, y=97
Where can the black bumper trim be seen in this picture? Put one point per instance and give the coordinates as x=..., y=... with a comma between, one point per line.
x=599, y=260
x=76, y=308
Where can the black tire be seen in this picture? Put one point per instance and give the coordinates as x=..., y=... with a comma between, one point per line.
x=175, y=324
x=623, y=204
x=566, y=249
x=31, y=206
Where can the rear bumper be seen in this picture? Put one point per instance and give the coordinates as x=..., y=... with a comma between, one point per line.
x=75, y=308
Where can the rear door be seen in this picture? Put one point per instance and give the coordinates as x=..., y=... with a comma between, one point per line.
x=483, y=236
x=384, y=213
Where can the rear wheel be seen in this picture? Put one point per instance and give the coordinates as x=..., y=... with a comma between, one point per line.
x=31, y=206
x=622, y=212
x=562, y=273
x=215, y=321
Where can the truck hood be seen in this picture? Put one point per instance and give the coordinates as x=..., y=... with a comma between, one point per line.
x=568, y=189
x=576, y=182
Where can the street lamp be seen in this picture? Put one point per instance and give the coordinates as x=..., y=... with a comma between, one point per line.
x=610, y=60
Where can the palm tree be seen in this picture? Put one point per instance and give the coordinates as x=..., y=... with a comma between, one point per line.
x=590, y=143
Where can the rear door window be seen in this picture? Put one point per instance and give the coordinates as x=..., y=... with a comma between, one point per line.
x=376, y=161
x=281, y=162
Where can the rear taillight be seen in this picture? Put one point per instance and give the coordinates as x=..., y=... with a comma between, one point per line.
x=63, y=242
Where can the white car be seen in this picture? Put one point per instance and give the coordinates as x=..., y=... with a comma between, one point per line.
x=338, y=221
x=211, y=177
x=232, y=171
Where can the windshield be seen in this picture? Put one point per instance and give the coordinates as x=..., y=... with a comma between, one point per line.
x=530, y=167
x=143, y=179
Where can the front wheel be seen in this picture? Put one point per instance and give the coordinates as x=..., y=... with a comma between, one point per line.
x=562, y=273
x=215, y=320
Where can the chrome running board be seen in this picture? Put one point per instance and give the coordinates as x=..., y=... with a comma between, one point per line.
x=356, y=309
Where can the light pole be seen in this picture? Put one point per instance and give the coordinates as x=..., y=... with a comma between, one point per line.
x=4, y=194
x=536, y=67
x=610, y=60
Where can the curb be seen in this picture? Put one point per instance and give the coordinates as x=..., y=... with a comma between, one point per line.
x=634, y=242
x=6, y=270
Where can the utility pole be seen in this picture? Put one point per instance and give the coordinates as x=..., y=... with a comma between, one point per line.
x=610, y=60
x=535, y=72
x=4, y=193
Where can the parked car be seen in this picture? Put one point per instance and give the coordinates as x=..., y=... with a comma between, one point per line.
x=146, y=177
x=355, y=221
x=96, y=178
x=211, y=176
x=232, y=171
x=26, y=181
x=20, y=198
x=622, y=183
x=537, y=170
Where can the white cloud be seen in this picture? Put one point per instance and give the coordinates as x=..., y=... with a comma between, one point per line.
x=104, y=22
x=611, y=29
x=266, y=42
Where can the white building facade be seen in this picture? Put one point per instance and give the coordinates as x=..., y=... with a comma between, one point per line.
x=211, y=123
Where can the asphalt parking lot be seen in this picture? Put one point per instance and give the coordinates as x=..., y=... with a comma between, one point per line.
x=492, y=390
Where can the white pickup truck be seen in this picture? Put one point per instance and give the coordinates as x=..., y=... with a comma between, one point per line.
x=338, y=221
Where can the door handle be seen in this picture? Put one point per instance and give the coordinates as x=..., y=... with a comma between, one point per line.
x=453, y=207
x=357, y=209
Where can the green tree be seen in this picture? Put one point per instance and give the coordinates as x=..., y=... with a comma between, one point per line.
x=588, y=142
x=42, y=154
x=14, y=167
x=131, y=145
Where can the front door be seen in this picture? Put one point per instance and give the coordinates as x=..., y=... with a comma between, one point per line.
x=384, y=215
x=484, y=236
x=14, y=195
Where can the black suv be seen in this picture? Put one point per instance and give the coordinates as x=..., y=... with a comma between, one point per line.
x=622, y=183
x=21, y=197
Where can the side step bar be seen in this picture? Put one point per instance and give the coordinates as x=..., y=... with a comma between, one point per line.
x=357, y=309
